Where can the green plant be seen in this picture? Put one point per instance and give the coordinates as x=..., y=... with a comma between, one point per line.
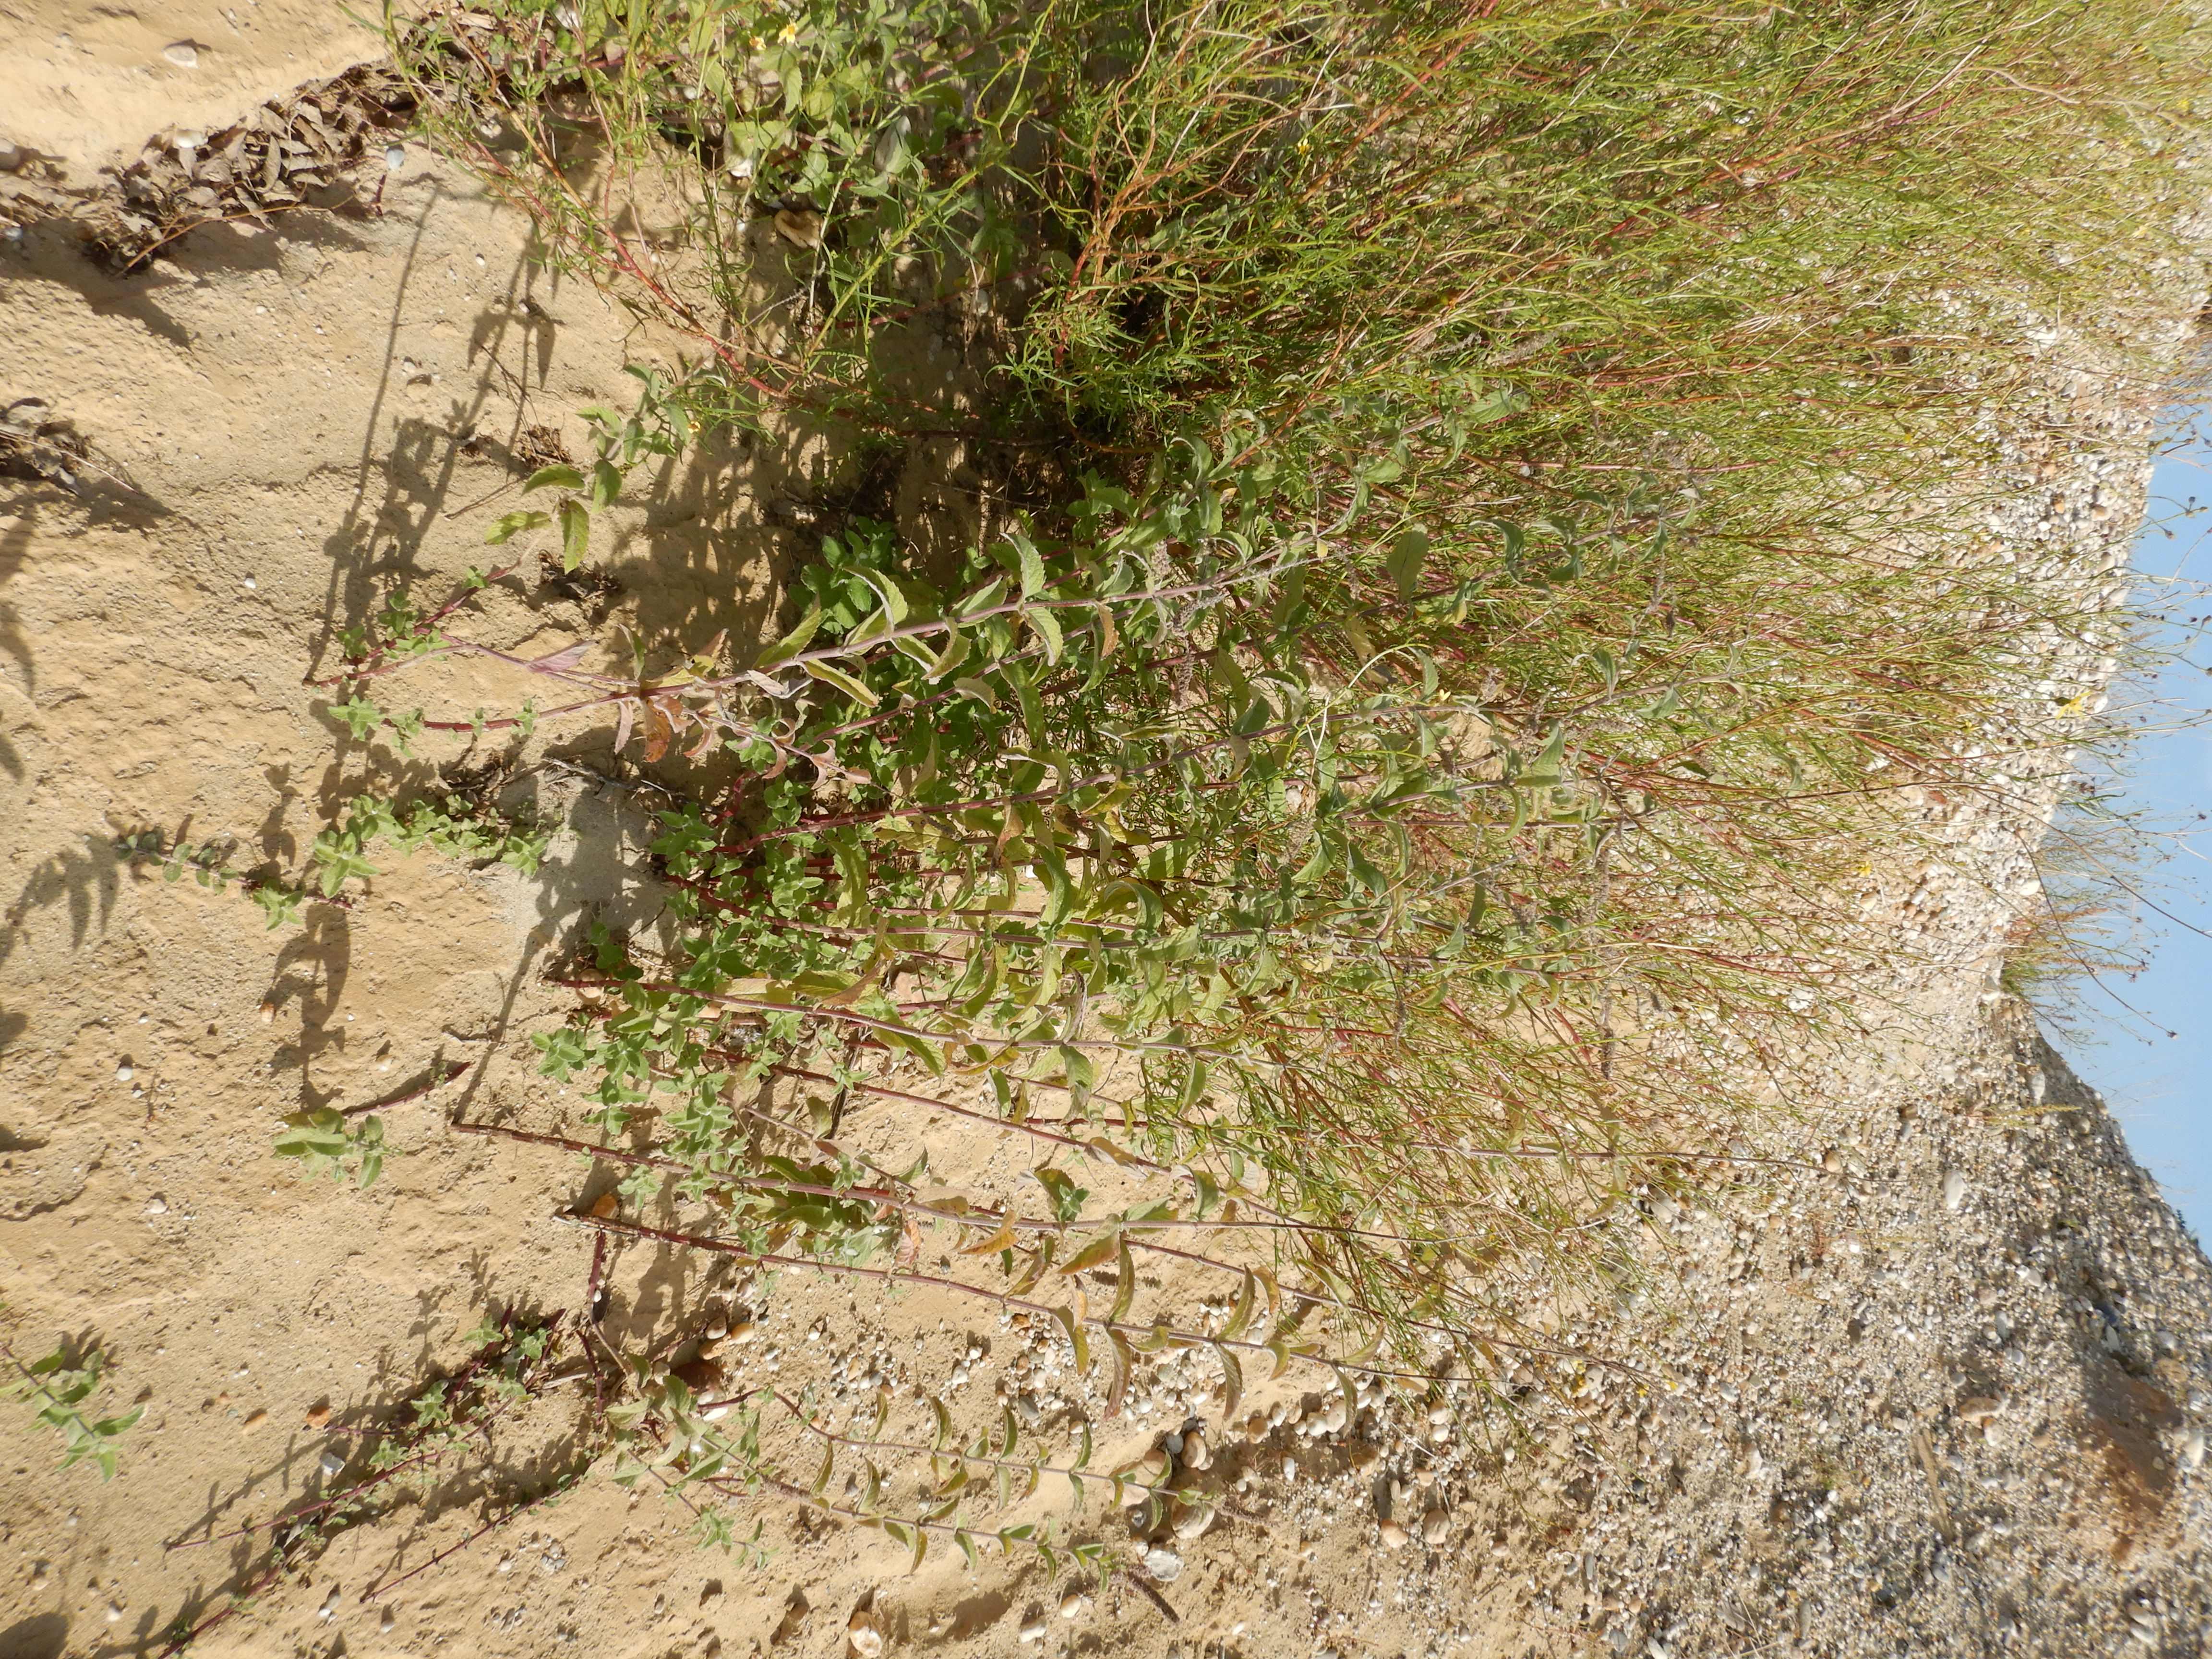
x=327, y=1142
x=1401, y=779
x=57, y=1387
x=458, y=829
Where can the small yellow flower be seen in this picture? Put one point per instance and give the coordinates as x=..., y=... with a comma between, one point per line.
x=790, y=32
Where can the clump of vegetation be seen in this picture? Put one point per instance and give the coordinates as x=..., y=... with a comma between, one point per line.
x=57, y=1387
x=462, y=830
x=1482, y=554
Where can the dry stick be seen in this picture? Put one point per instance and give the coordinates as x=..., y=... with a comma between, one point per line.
x=831, y=1435
x=376, y=1591
x=771, y=1259
x=982, y=1219
x=368, y=664
x=453, y=1069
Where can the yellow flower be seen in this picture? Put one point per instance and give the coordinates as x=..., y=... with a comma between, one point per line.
x=759, y=44
x=790, y=33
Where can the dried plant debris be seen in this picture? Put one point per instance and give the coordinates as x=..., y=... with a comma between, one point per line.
x=328, y=147
x=34, y=445
x=40, y=447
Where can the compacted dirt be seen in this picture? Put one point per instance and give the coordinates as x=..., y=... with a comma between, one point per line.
x=1940, y=1385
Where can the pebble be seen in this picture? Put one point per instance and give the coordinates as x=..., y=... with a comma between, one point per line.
x=11, y=156
x=801, y=229
x=395, y=157
x=183, y=53
x=268, y=1010
x=124, y=1073
x=157, y=1207
x=1071, y=1605
x=114, y=1614
x=1436, y=1526
x=1163, y=1563
x=1196, y=1453
x=1954, y=1190
x=2192, y=1448
x=1034, y=1630
x=864, y=1639
x=254, y=1419
x=1395, y=1536
x=332, y=1463
x=318, y=1415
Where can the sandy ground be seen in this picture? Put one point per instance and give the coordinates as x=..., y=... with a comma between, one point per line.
x=283, y=424
x=87, y=83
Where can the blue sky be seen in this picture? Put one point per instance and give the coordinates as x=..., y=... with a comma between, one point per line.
x=2159, y=1086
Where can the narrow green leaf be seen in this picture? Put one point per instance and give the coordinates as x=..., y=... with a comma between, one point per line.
x=851, y=684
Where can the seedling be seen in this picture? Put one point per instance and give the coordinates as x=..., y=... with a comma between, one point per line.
x=327, y=1142
x=57, y=1390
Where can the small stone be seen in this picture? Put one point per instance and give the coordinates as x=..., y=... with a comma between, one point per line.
x=183, y=53
x=395, y=156
x=1290, y=1468
x=1196, y=1453
x=2192, y=1448
x=1071, y=1605
x=1163, y=1563
x=1978, y=1409
x=1440, y=1412
x=1436, y=1526
x=604, y=1205
x=1034, y=1630
x=124, y=1073
x=332, y=1463
x=1954, y=1190
x=864, y=1637
x=1395, y=1536
x=11, y=156
x=114, y=1612
x=801, y=228
x=268, y=1010
x=157, y=1206
x=1194, y=1522
x=254, y=1419
x=318, y=1415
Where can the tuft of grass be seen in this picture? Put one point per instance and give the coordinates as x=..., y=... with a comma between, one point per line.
x=1493, y=565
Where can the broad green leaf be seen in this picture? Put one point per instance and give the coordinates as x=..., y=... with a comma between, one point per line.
x=606, y=483
x=508, y=526
x=1046, y=627
x=955, y=653
x=555, y=478
x=575, y=532
x=1404, y=561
